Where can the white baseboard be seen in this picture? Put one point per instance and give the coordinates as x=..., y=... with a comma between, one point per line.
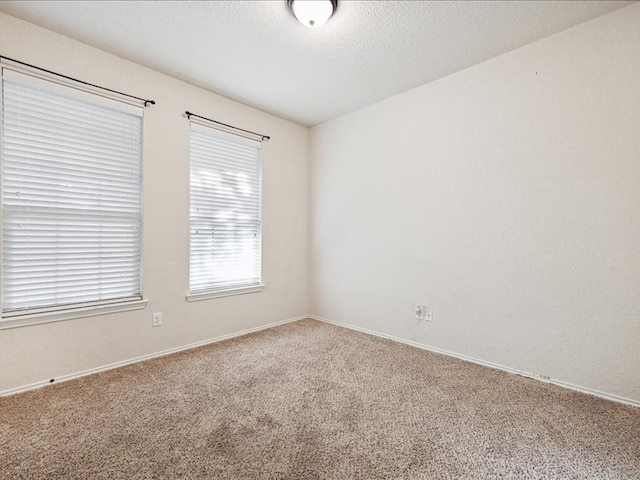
x=142, y=358
x=560, y=383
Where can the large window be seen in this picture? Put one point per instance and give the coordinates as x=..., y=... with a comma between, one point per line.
x=71, y=198
x=225, y=213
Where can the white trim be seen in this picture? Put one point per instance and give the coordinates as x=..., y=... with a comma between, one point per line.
x=195, y=297
x=71, y=313
x=560, y=383
x=142, y=358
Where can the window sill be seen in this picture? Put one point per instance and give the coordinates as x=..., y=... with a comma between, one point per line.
x=207, y=295
x=70, y=314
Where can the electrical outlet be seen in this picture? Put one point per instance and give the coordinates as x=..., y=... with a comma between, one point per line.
x=424, y=313
x=156, y=319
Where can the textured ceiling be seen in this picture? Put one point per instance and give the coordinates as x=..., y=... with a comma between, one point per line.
x=255, y=52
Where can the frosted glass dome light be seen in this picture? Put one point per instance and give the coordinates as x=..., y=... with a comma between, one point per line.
x=312, y=13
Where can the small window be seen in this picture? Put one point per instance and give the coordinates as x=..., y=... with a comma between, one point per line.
x=71, y=197
x=225, y=213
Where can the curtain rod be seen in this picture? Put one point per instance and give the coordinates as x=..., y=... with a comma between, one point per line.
x=189, y=115
x=145, y=101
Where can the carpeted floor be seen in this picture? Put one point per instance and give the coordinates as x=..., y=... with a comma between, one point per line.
x=313, y=401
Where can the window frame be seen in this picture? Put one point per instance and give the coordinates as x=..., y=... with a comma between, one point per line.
x=37, y=315
x=240, y=137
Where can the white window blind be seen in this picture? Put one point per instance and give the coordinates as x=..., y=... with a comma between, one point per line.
x=71, y=197
x=225, y=213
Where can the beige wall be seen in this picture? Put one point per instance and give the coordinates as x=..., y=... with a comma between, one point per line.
x=507, y=197
x=36, y=353
x=504, y=196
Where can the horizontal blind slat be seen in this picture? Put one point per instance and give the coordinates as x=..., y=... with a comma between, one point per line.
x=71, y=197
x=225, y=212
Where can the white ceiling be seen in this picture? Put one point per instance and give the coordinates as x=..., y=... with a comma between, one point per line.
x=257, y=53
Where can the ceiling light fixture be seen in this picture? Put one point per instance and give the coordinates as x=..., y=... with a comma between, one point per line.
x=312, y=13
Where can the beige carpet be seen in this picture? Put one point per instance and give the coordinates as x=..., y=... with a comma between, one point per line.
x=314, y=401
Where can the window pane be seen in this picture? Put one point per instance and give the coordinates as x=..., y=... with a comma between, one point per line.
x=225, y=211
x=71, y=197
